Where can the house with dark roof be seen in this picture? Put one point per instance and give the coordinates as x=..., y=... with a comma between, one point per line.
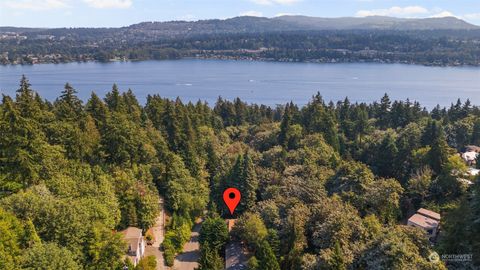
x=136, y=244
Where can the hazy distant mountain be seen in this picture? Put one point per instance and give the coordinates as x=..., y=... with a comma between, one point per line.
x=288, y=23
x=246, y=24
x=377, y=22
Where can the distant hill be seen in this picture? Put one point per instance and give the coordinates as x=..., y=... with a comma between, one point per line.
x=246, y=24
x=376, y=23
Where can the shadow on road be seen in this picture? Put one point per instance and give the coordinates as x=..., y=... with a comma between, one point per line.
x=189, y=256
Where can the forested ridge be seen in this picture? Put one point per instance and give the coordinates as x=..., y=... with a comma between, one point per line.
x=426, y=47
x=324, y=186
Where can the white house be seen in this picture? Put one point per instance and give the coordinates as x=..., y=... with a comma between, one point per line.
x=470, y=157
x=473, y=171
x=136, y=244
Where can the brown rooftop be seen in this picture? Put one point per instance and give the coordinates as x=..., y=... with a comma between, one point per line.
x=423, y=221
x=428, y=213
x=132, y=232
x=472, y=148
x=132, y=236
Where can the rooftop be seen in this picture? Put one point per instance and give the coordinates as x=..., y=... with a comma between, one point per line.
x=132, y=236
x=469, y=156
x=423, y=221
x=473, y=171
x=428, y=213
x=132, y=232
x=472, y=148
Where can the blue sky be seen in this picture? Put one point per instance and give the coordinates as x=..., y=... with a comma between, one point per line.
x=114, y=13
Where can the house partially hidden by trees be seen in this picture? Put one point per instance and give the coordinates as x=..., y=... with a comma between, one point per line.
x=136, y=244
x=470, y=155
x=427, y=220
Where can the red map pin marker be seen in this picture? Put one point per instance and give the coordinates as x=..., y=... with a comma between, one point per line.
x=231, y=197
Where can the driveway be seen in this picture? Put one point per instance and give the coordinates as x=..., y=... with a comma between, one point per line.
x=158, y=231
x=235, y=257
x=187, y=260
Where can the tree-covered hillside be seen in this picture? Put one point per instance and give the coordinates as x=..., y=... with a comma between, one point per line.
x=324, y=186
x=152, y=41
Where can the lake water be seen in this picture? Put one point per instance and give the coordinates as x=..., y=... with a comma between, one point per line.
x=260, y=82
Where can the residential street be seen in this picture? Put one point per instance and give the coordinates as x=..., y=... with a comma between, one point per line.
x=191, y=251
x=158, y=231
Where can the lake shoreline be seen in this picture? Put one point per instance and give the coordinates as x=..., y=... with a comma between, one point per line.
x=256, y=59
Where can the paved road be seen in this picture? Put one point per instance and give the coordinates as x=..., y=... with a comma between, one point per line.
x=235, y=258
x=158, y=232
x=191, y=252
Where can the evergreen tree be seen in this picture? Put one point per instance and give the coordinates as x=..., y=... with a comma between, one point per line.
x=68, y=106
x=120, y=141
x=23, y=149
x=104, y=249
x=172, y=127
x=252, y=263
x=210, y=259
x=338, y=261
x=240, y=111
x=115, y=101
x=318, y=118
x=476, y=133
x=98, y=110
x=383, y=112
x=266, y=257
x=26, y=101
x=30, y=237
x=430, y=133
x=213, y=237
x=361, y=125
x=249, y=183
x=213, y=162
x=386, y=153
x=285, y=127
x=214, y=233
x=330, y=131
x=133, y=108
x=186, y=144
x=439, y=153
x=11, y=232
x=344, y=113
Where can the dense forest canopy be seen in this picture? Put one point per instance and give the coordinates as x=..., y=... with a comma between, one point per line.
x=324, y=186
